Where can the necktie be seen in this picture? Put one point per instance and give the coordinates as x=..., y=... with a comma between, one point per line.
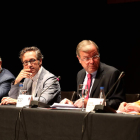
x=89, y=83
x=34, y=88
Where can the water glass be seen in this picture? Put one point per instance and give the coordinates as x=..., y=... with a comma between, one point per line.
x=83, y=91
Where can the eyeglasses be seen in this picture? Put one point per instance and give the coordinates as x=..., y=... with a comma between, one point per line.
x=32, y=61
x=87, y=59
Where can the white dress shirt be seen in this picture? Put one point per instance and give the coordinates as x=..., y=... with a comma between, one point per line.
x=35, y=80
x=92, y=81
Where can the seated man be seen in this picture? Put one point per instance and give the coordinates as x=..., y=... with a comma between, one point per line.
x=128, y=107
x=36, y=79
x=101, y=75
x=6, y=77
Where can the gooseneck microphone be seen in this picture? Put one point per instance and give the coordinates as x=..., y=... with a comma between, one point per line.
x=35, y=104
x=106, y=109
x=120, y=76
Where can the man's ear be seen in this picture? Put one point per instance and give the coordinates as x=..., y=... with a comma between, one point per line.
x=40, y=62
x=0, y=64
x=79, y=59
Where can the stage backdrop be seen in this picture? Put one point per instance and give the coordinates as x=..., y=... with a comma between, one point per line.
x=57, y=28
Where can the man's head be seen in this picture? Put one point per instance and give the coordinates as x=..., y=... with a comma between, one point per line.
x=0, y=62
x=31, y=58
x=88, y=55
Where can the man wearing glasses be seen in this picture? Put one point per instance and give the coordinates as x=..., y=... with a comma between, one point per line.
x=36, y=79
x=100, y=75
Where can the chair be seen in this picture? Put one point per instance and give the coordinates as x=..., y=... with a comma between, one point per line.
x=132, y=97
x=71, y=95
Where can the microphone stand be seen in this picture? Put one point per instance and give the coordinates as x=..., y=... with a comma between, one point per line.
x=107, y=109
x=35, y=104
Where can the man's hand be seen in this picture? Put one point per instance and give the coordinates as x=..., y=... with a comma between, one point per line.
x=25, y=73
x=128, y=107
x=8, y=100
x=122, y=107
x=79, y=103
x=132, y=107
x=66, y=101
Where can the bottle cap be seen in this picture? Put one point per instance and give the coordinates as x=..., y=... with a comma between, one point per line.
x=101, y=87
x=20, y=85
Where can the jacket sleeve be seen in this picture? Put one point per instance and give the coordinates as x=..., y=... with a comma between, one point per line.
x=49, y=92
x=13, y=93
x=117, y=94
x=4, y=88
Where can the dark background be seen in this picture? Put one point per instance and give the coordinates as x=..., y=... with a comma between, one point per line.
x=57, y=27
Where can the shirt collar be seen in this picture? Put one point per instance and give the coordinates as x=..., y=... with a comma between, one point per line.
x=37, y=75
x=93, y=74
x=1, y=70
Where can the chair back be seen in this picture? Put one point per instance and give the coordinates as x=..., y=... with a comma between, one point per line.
x=132, y=97
x=71, y=95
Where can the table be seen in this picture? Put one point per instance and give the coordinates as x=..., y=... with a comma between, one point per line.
x=46, y=124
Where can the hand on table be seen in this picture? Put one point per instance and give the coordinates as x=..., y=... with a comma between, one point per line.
x=132, y=107
x=78, y=103
x=66, y=101
x=128, y=107
x=122, y=107
x=8, y=100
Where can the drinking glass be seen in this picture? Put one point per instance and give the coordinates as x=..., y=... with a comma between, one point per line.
x=83, y=91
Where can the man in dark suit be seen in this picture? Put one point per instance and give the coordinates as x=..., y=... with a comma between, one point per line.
x=102, y=75
x=36, y=79
x=6, y=77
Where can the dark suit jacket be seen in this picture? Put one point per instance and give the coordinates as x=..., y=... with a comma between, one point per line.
x=106, y=76
x=51, y=95
x=6, y=77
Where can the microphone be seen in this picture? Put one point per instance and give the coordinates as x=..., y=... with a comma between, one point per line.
x=35, y=104
x=106, y=109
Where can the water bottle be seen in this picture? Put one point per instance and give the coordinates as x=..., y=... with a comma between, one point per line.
x=20, y=88
x=102, y=96
x=102, y=93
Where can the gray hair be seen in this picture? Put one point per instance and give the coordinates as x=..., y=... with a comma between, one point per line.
x=83, y=46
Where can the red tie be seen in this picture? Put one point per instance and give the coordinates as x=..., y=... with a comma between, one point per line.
x=88, y=83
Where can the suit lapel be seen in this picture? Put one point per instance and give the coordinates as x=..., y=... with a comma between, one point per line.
x=39, y=81
x=98, y=78
x=2, y=78
x=82, y=77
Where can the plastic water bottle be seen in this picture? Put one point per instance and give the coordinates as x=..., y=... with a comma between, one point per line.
x=102, y=93
x=20, y=87
x=102, y=96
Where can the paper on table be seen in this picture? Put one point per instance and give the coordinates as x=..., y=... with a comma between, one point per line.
x=130, y=112
x=64, y=108
x=63, y=105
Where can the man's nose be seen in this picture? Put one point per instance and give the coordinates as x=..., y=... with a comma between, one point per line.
x=29, y=63
x=91, y=60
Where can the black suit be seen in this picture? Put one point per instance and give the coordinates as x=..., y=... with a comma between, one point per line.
x=106, y=76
